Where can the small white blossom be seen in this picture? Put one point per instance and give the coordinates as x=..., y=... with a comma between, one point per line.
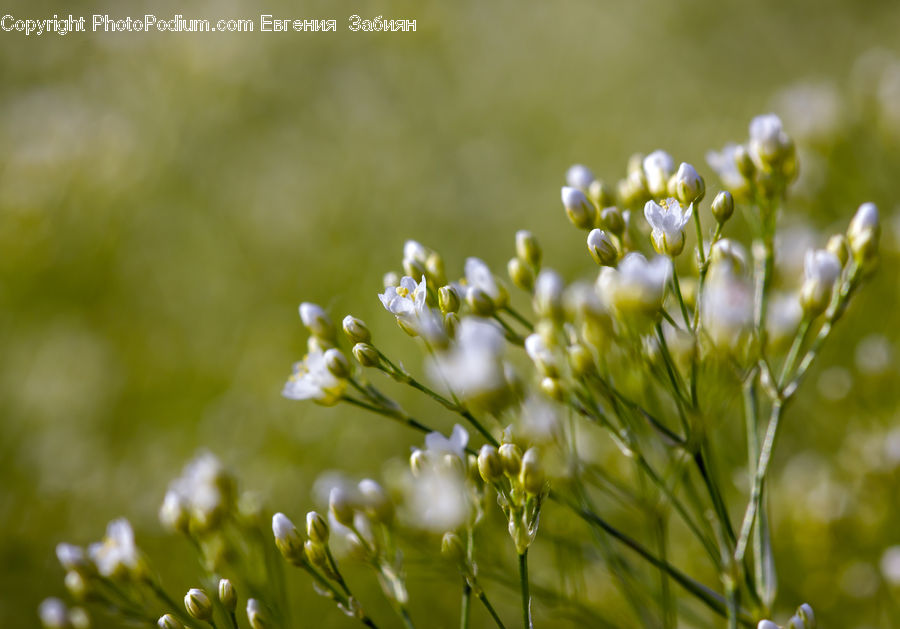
x=658, y=168
x=541, y=355
x=70, y=557
x=668, y=220
x=478, y=275
x=312, y=380
x=53, y=614
x=767, y=140
x=454, y=444
x=579, y=176
x=725, y=164
x=472, y=366
x=636, y=285
x=407, y=302
x=117, y=554
x=438, y=500
x=727, y=308
x=199, y=495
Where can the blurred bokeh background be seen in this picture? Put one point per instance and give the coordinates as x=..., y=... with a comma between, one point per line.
x=167, y=199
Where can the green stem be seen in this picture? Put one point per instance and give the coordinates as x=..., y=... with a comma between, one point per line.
x=490, y=608
x=466, y=605
x=666, y=601
x=677, y=286
x=794, y=352
x=518, y=317
x=511, y=335
x=404, y=615
x=759, y=478
x=526, y=597
x=393, y=414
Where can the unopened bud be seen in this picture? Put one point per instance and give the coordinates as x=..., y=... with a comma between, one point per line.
x=548, y=293
x=337, y=363
x=79, y=619
x=287, y=538
x=821, y=269
x=601, y=193
x=611, y=220
x=256, y=616
x=390, y=279
x=578, y=208
x=689, y=185
x=316, y=321
x=377, y=503
x=452, y=547
x=722, y=207
x=342, y=505
x=356, y=330
x=511, y=456
x=579, y=176
x=602, y=248
x=197, y=604
x=413, y=268
x=53, y=614
x=527, y=248
x=227, y=595
x=317, y=556
x=480, y=302
x=448, y=299
x=434, y=266
x=365, y=355
x=531, y=475
x=168, y=621
x=767, y=624
x=76, y=585
x=490, y=465
x=864, y=232
x=806, y=613
x=837, y=245
x=521, y=274
x=553, y=388
x=316, y=528
x=418, y=462
x=744, y=162
x=580, y=359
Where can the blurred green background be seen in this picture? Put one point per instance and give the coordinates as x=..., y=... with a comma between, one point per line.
x=167, y=199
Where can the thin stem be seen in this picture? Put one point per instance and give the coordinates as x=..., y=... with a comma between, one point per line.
x=794, y=352
x=393, y=414
x=466, y=605
x=677, y=286
x=490, y=608
x=518, y=317
x=526, y=597
x=511, y=335
x=232, y=618
x=407, y=621
x=667, y=602
x=759, y=478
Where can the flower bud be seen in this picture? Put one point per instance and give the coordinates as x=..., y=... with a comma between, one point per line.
x=337, y=363
x=71, y=557
x=511, y=456
x=448, y=299
x=580, y=359
x=365, y=355
x=838, y=245
x=317, y=556
x=521, y=274
x=553, y=388
x=76, y=585
x=413, y=268
x=766, y=624
x=722, y=207
x=434, y=267
x=173, y=514
x=341, y=505
x=548, y=292
x=418, y=462
x=602, y=248
x=806, y=613
x=227, y=595
x=356, y=330
x=821, y=269
x=316, y=321
x=316, y=528
x=480, y=302
x=79, y=619
x=579, y=176
x=531, y=475
x=490, y=465
x=53, y=614
x=197, y=604
x=256, y=616
x=864, y=232
x=377, y=503
x=689, y=185
x=168, y=621
x=611, y=220
x=390, y=279
x=527, y=248
x=744, y=162
x=452, y=547
x=578, y=208
x=601, y=193
x=287, y=539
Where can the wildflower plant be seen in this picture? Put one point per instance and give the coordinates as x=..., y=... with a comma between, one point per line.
x=602, y=396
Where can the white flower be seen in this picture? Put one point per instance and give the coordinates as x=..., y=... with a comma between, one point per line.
x=407, y=302
x=312, y=380
x=724, y=162
x=668, y=221
x=53, y=613
x=117, y=554
x=200, y=495
x=472, y=366
x=658, y=168
x=636, y=285
x=727, y=312
x=70, y=557
x=478, y=275
x=767, y=140
x=454, y=444
x=541, y=355
x=579, y=176
x=438, y=500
